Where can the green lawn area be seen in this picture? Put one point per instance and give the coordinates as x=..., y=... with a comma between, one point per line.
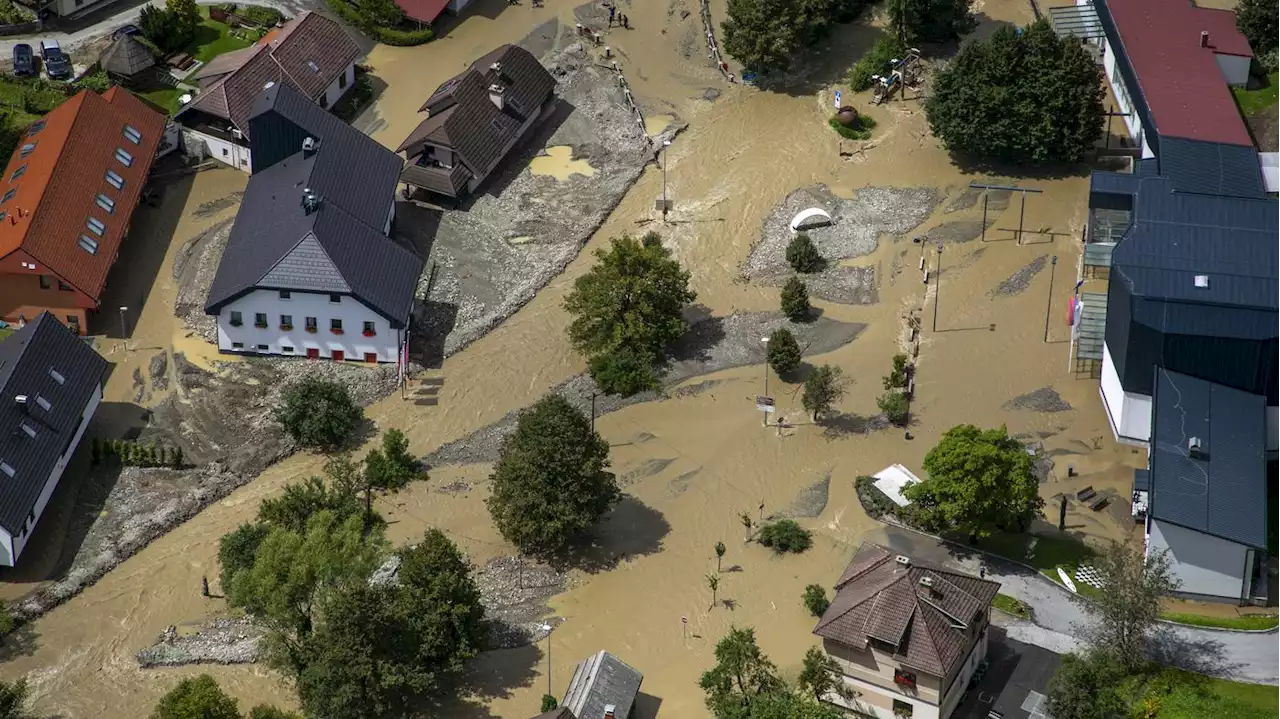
x=1050, y=552
x=166, y=99
x=5, y=332
x=1006, y=603
x=214, y=38
x=1248, y=621
x=1183, y=695
x=1254, y=101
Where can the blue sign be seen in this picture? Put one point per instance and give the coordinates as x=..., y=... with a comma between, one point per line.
x=837, y=99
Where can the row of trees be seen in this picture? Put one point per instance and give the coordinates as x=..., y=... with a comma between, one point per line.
x=745, y=684
x=765, y=34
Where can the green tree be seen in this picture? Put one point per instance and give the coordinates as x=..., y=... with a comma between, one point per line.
x=1124, y=614
x=745, y=518
x=713, y=583
x=381, y=13
x=266, y=711
x=627, y=310
x=741, y=675
x=158, y=26
x=783, y=351
x=785, y=705
x=795, y=300
x=392, y=467
x=764, y=34
x=318, y=413
x=299, y=502
x=917, y=21
x=1086, y=686
x=186, y=18
x=895, y=407
x=1029, y=99
x=820, y=675
x=549, y=703
x=822, y=389
x=196, y=698
x=720, y=550
x=785, y=535
x=1257, y=19
x=550, y=483
x=815, y=599
x=237, y=550
x=803, y=255
x=898, y=376
x=13, y=700
x=978, y=481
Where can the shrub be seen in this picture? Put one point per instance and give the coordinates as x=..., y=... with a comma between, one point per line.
x=318, y=413
x=784, y=351
x=259, y=15
x=860, y=130
x=196, y=698
x=392, y=467
x=822, y=389
x=815, y=599
x=803, y=255
x=874, y=62
x=874, y=502
x=894, y=405
x=897, y=378
x=549, y=703
x=795, y=300
x=404, y=38
x=97, y=81
x=785, y=535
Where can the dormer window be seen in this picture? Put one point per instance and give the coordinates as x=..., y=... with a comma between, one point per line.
x=105, y=203
x=27, y=149
x=88, y=244
x=18, y=173
x=115, y=180
x=132, y=135
x=35, y=128
x=96, y=227
x=124, y=157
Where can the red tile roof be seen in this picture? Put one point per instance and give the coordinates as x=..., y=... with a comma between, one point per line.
x=1181, y=82
x=54, y=197
x=423, y=10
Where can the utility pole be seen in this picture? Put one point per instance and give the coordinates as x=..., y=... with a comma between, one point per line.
x=765, y=340
x=1053, y=265
x=593, y=411
x=937, y=289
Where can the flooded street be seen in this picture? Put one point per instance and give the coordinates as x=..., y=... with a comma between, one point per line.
x=691, y=463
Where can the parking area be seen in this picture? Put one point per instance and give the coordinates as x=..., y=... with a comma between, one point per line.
x=1016, y=681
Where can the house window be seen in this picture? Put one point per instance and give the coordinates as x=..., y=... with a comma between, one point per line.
x=342, y=81
x=46, y=282
x=96, y=225
x=64, y=286
x=260, y=319
x=904, y=679
x=6, y=468
x=225, y=152
x=286, y=349
x=285, y=294
x=515, y=104
x=36, y=128
x=368, y=329
x=335, y=326
x=22, y=170
x=9, y=195
x=88, y=244
x=237, y=345
x=335, y=298
x=311, y=324
x=74, y=323
x=55, y=374
x=124, y=157
x=236, y=319
x=105, y=203
x=132, y=135
x=28, y=148
x=115, y=180
x=901, y=708
x=324, y=101
x=286, y=322
x=31, y=431
x=264, y=348
x=43, y=403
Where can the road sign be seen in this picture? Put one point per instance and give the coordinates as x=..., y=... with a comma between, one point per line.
x=837, y=99
x=765, y=404
x=662, y=205
x=684, y=620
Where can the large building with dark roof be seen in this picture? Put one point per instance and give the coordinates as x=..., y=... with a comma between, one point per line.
x=1186, y=338
x=310, y=269
x=50, y=386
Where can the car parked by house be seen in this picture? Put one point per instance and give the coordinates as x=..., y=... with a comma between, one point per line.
x=56, y=65
x=24, y=60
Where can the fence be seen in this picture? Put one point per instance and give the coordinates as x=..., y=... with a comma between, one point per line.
x=631, y=102
x=714, y=49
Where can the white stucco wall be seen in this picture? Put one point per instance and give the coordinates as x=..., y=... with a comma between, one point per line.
x=6, y=549
x=225, y=152
x=1205, y=564
x=20, y=541
x=352, y=343
x=1128, y=412
x=338, y=88
x=1124, y=101
x=1234, y=68
x=872, y=697
x=961, y=682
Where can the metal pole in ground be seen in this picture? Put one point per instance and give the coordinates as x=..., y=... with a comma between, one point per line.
x=1021, y=214
x=984, y=215
x=937, y=288
x=123, y=332
x=765, y=340
x=1053, y=265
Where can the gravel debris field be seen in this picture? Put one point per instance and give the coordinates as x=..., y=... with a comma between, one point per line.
x=221, y=641
x=1045, y=399
x=809, y=502
x=1019, y=281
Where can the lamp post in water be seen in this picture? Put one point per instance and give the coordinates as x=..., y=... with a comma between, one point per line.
x=547, y=628
x=665, y=144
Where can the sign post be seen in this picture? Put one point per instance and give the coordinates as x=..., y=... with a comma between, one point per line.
x=837, y=99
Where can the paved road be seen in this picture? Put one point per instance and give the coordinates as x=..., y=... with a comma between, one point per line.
x=1250, y=657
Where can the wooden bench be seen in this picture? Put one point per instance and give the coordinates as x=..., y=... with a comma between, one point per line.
x=181, y=61
x=1099, y=503
x=1086, y=494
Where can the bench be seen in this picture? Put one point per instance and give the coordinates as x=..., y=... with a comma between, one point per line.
x=182, y=61
x=1086, y=494
x=1099, y=503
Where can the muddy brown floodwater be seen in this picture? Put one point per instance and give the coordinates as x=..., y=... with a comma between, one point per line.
x=695, y=460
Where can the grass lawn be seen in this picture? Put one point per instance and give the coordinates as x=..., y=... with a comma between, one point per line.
x=1183, y=695
x=166, y=99
x=1247, y=621
x=1050, y=552
x=1254, y=101
x=1006, y=603
x=214, y=38
x=5, y=332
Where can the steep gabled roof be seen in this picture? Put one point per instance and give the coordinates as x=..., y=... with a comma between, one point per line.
x=33, y=438
x=600, y=681
x=126, y=57
x=48, y=194
x=878, y=598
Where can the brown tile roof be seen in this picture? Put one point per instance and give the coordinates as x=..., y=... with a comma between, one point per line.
x=437, y=179
x=308, y=53
x=54, y=196
x=879, y=598
x=465, y=119
x=225, y=63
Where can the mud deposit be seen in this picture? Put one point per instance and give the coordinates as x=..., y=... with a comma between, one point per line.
x=221, y=641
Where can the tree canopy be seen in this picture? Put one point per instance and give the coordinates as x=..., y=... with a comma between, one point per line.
x=1125, y=614
x=794, y=300
x=13, y=699
x=196, y=698
x=822, y=389
x=917, y=21
x=550, y=483
x=1258, y=20
x=318, y=413
x=741, y=674
x=978, y=481
x=763, y=35
x=627, y=310
x=1087, y=686
x=1029, y=99
x=783, y=351
x=391, y=466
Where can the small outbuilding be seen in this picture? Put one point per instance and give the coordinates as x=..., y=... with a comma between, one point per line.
x=127, y=59
x=603, y=687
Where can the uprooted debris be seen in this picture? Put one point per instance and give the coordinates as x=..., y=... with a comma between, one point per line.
x=1045, y=399
x=1020, y=280
x=221, y=641
x=194, y=267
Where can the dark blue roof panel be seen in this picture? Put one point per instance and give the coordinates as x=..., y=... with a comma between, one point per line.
x=1221, y=490
x=1211, y=168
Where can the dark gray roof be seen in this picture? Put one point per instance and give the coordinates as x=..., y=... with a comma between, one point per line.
x=1224, y=491
x=1211, y=168
x=277, y=244
x=559, y=713
x=465, y=119
x=1023, y=672
x=26, y=358
x=599, y=681
x=126, y=57
x=449, y=181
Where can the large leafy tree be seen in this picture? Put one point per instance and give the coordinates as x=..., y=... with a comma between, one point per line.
x=391, y=466
x=627, y=311
x=1124, y=614
x=1086, y=686
x=550, y=483
x=196, y=698
x=1031, y=99
x=916, y=21
x=764, y=34
x=1258, y=20
x=979, y=481
x=186, y=18
x=13, y=700
x=785, y=705
x=741, y=677
x=318, y=413
x=822, y=389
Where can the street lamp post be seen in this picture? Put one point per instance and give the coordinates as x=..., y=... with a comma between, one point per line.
x=1053, y=265
x=937, y=288
x=123, y=310
x=665, y=145
x=547, y=628
x=765, y=340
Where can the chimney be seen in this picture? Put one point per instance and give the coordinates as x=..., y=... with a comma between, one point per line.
x=1194, y=448
x=904, y=560
x=496, y=68
x=310, y=145
x=22, y=399
x=495, y=96
x=610, y=711
x=310, y=201
x=926, y=581
x=1204, y=38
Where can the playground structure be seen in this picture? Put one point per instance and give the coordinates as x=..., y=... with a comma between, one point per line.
x=903, y=73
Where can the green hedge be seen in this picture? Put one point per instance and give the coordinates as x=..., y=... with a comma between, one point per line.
x=876, y=503
x=861, y=129
x=875, y=62
x=384, y=35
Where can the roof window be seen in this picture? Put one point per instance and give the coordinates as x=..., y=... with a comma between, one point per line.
x=28, y=148
x=496, y=125
x=35, y=128
x=57, y=376
x=31, y=431
x=96, y=226
x=132, y=135
x=6, y=468
x=1202, y=281
x=314, y=67
x=44, y=403
x=9, y=195
x=88, y=244
x=124, y=157
x=18, y=173
x=105, y=203
x=115, y=180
